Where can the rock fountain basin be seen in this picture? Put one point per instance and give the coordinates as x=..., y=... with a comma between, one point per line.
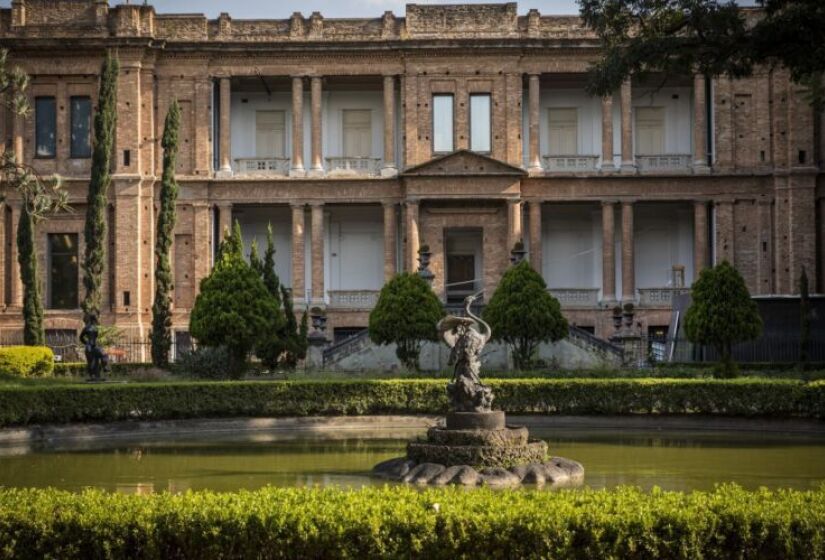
x=478, y=448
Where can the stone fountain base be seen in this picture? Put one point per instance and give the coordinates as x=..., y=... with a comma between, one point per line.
x=478, y=448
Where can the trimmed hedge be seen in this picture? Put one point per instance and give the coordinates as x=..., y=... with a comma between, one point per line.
x=402, y=522
x=26, y=361
x=155, y=401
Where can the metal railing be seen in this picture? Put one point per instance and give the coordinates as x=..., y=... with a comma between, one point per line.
x=660, y=297
x=570, y=163
x=663, y=162
x=352, y=299
x=576, y=297
x=262, y=166
x=344, y=166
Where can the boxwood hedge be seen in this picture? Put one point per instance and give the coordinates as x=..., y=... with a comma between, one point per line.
x=75, y=402
x=401, y=522
x=26, y=361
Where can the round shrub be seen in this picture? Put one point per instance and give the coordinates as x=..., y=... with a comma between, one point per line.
x=26, y=361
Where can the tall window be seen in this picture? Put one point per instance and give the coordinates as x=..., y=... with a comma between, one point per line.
x=357, y=124
x=564, y=132
x=63, y=271
x=45, y=123
x=81, y=126
x=269, y=134
x=480, y=122
x=443, y=123
x=650, y=131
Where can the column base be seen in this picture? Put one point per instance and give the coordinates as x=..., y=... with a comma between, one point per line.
x=315, y=173
x=389, y=171
x=535, y=170
x=628, y=168
x=297, y=172
x=701, y=169
x=223, y=173
x=608, y=168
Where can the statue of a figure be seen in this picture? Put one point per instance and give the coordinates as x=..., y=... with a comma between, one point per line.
x=465, y=337
x=97, y=361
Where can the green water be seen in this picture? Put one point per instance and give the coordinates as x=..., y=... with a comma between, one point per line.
x=673, y=460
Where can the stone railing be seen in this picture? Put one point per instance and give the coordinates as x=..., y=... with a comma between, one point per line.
x=346, y=166
x=262, y=166
x=664, y=162
x=352, y=299
x=659, y=297
x=570, y=163
x=576, y=297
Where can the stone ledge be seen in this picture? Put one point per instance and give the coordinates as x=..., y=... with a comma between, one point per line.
x=478, y=455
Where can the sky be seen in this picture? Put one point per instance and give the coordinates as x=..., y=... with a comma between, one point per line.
x=282, y=9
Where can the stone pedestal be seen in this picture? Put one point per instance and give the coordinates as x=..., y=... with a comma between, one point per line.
x=315, y=351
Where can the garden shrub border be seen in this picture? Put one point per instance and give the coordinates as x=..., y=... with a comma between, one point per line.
x=26, y=361
x=402, y=522
x=63, y=403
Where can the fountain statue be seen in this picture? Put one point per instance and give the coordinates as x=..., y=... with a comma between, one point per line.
x=476, y=446
x=97, y=361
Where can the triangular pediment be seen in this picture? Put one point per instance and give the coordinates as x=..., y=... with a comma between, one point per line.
x=463, y=162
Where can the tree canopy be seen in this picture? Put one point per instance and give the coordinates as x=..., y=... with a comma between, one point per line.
x=522, y=313
x=709, y=37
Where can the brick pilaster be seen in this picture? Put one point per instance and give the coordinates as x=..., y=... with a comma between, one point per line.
x=298, y=266
x=608, y=251
x=317, y=211
x=317, y=166
x=534, y=97
x=628, y=162
x=535, y=235
x=413, y=242
x=700, y=237
x=628, y=254
x=390, y=229
x=297, y=166
x=607, y=133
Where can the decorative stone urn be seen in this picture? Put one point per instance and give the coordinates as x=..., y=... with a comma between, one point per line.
x=476, y=446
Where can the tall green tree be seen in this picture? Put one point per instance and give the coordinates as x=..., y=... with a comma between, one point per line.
x=234, y=309
x=523, y=314
x=39, y=197
x=710, y=37
x=162, y=307
x=406, y=315
x=94, y=258
x=722, y=314
x=295, y=335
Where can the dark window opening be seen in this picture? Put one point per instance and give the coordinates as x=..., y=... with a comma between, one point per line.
x=127, y=158
x=127, y=298
x=45, y=124
x=802, y=156
x=81, y=126
x=62, y=282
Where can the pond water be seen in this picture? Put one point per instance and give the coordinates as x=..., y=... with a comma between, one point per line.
x=673, y=460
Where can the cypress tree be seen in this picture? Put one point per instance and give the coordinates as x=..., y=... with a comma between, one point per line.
x=95, y=232
x=33, y=334
x=161, y=309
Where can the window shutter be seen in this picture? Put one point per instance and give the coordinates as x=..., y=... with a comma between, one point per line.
x=650, y=131
x=357, y=125
x=564, y=132
x=269, y=134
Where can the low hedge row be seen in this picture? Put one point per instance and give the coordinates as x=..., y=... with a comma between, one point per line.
x=405, y=523
x=79, y=403
x=26, y=361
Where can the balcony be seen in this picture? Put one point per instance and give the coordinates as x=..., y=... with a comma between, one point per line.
x=262, y=166
x=664, y=162
x=576, y=297
x=352, y=299
x=570, y=164
x=659, y=297
x=353, y=166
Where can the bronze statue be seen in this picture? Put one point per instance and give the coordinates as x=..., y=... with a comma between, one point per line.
x=465, y=337
x=97, y=362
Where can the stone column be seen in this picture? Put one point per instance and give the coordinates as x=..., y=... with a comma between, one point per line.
x=628, y=260
x=15, y=284
x=317, y=168
x=608, y=252
x=534, y=95
x=317, y=211
x=700, y=151
x=535, y=235
x=514, y=229
x=413, y=242
x=700, y=237
x=607, y=133
x=225, y=132
x=390, y=228
x=225, y=223
x=17, y=132
x=628, y=163
x=297, y=167
x=298, y=269
x=389, y=169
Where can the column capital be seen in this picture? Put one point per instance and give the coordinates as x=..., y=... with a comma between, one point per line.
x=610, y=202
x=297, y=205
x=316, y=203
x=627, y=201
x=412, y=203
x=389, y=203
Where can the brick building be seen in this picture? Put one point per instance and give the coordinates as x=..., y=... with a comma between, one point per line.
x=464, y=127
